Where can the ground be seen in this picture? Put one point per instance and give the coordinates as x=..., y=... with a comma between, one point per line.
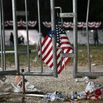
x=65, y=83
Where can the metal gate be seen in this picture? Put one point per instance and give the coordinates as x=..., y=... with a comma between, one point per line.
x=89, y=71
x=16, y=52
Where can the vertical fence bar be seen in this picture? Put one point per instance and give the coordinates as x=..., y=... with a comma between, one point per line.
x=75, y=38
x=15, y=36
x=39, y=26
x=60, y=12
x=1, y=41
x=54, y=37
x=3, y=36
x=28, y=53
x=87, y=32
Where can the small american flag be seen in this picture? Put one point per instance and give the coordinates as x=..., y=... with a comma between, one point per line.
x=63, y=46
x=18, y=81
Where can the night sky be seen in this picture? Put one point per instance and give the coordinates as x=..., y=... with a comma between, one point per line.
x=96, y=9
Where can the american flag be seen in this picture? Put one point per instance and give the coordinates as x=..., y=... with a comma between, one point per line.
x=18, y=81
x=63, y=46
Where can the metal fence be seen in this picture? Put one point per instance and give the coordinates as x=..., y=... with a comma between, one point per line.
x=17, y=70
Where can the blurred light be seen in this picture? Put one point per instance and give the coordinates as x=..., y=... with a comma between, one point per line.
x=91, y=31
x=68, y=31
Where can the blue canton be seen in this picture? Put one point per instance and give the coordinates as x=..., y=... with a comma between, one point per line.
x=58, y=31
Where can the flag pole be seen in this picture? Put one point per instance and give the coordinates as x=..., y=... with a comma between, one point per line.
x=54, y=38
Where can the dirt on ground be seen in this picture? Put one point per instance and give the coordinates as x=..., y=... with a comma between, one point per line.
x=65, y=83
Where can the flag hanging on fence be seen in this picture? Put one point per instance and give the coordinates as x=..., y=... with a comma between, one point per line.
x=63, y=46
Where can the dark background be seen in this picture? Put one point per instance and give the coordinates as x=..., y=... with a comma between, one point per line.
x=96, y=9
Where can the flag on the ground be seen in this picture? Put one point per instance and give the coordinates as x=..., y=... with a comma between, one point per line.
x=18, y=86
x=18, y=81
x=63, y=46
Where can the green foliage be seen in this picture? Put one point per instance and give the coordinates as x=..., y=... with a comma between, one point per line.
x=96, y=54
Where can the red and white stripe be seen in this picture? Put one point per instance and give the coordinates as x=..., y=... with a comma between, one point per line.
x=18, y=81
x=47, y=51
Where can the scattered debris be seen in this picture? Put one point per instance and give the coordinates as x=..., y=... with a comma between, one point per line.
x=77, y=95
x=18, y=86
x=3, y=78
x=93, y=64
x=5, y=86
x=92, y=90
x=95, y=95
x=2, y=93
x=84, y=79
x=54, y=96
x=35, y=95
x=90, y=87
x=50, y=96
